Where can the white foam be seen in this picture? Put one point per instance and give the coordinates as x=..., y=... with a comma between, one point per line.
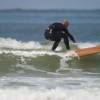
x=65, y=66
x=71, y=53
x=31, y=53
x=25, y=93
x=87, y=44
x=19, y=48
x=14, y=44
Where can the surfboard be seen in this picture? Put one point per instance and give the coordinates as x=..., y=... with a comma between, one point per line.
x=87, y=51
x=83, y=52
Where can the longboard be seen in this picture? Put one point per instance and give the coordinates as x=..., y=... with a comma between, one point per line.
x=87, y=51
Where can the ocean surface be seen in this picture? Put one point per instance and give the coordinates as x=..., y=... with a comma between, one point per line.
x=29, y=70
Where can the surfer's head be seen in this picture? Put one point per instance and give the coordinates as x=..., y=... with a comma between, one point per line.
x=66, y=23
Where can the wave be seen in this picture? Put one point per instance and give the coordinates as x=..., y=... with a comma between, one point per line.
x=21, y=52
x=87, y=44
x=35, y=49
x=11, y=43
x=25, y=93
x=14, y=44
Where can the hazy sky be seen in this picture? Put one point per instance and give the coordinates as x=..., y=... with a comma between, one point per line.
x=50, y=4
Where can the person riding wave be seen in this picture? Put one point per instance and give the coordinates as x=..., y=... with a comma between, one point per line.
x=57, y=31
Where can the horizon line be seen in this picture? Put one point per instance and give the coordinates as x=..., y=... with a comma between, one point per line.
x=33, y=9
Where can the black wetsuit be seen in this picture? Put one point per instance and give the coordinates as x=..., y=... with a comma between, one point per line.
x=58, y=31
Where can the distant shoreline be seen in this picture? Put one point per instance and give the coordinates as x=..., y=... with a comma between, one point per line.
x=27, y=10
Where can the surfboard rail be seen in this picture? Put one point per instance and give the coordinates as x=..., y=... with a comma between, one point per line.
x=87, y=51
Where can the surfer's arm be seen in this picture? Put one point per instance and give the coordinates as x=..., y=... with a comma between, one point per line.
x=70, y=36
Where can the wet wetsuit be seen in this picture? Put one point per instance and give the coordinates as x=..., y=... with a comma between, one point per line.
x=57, y=32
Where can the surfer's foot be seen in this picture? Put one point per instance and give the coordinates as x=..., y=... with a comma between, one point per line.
x=53, y=50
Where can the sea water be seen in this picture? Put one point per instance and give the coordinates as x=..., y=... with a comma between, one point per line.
x=29, y=70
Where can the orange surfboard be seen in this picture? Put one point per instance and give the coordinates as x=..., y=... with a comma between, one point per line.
x=87, y=51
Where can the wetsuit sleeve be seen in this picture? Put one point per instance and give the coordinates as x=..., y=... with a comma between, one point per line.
x=70, y=36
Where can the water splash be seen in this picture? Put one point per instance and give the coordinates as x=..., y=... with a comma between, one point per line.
x=14, y=44
x=25, y=93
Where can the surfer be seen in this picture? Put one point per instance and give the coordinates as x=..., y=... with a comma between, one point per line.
x=58, y=31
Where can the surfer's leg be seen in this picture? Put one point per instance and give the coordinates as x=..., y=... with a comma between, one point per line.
x=66, y=41
x=55, y=44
